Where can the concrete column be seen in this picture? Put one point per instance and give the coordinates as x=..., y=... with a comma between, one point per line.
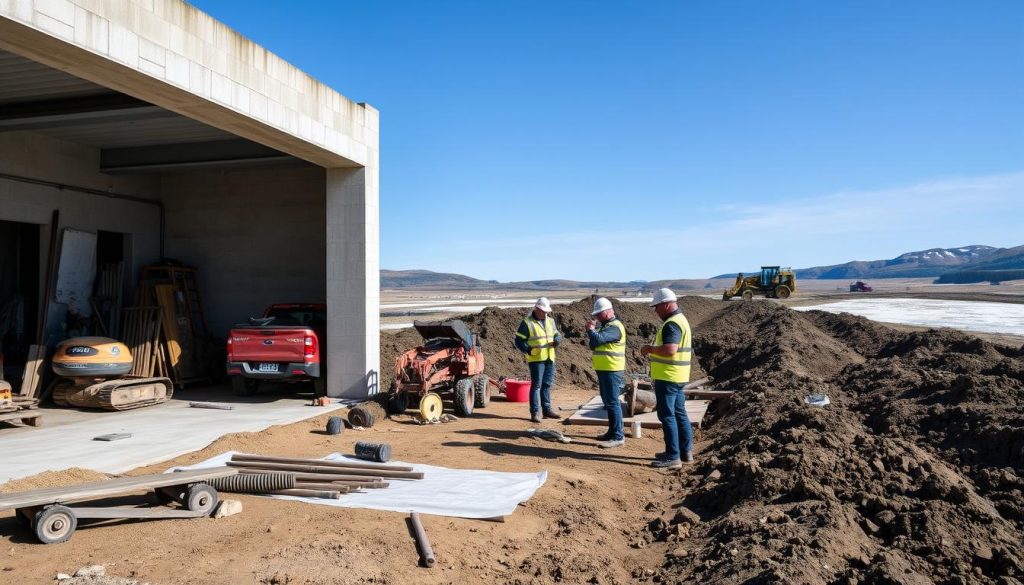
x=353, y=282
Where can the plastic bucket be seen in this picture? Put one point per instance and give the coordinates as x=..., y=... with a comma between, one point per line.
x=517, y=390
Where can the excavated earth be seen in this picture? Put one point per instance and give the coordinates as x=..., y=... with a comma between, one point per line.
x=914, y=473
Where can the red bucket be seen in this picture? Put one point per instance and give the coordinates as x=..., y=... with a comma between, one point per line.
x=517, y=390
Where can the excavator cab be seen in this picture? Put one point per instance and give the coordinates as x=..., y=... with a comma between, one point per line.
x=769, y=276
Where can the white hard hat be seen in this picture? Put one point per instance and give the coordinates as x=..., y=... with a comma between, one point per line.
x=663, y=295
x=601, y=304
x=543, y=305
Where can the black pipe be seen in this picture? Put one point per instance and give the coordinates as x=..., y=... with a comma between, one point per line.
x=90, y=191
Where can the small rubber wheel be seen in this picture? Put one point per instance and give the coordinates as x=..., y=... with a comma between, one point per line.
x=747, y=295
x=398, y=403
x=23, y=518
x=244, y=386
x=360, y=416
x=782, y=292
x=335, y=425
x=481, y=391
x=55, y=524
x=464, y=397
x=200, y=497
x=431, y=406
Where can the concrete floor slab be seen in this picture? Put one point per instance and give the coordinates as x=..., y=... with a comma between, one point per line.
x=159, y=433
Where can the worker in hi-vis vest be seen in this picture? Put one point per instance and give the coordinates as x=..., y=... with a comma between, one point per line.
x=608, y=342
x=669, y=357
x=538, y=337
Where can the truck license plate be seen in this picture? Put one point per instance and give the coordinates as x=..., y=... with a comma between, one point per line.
x=267, y=368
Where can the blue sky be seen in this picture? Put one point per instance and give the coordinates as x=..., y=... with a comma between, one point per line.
x=643, y=140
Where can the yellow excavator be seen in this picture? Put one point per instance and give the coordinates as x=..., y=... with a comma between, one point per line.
x=95, y=375
x=773, y=282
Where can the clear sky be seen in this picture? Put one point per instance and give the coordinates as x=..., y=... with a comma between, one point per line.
x=643, y=140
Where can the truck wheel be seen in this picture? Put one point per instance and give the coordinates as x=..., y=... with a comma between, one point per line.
x=481, y=391
x=465, y=397
x=244, y=386
x=747, y=295
x=55, y=524
x=398, y=403
x=782, y=292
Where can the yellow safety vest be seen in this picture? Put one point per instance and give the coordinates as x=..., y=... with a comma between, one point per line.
x=541, y=339
x=611, y=357
x=675, y=369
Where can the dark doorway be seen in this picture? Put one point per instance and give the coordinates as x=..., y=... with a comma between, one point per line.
x=19, y=294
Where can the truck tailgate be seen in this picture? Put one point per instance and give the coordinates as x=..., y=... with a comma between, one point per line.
x=269, y=344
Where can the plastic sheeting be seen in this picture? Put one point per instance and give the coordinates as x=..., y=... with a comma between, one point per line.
x=462, y=493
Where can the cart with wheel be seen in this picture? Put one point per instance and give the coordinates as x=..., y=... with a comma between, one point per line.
x=47, y=511
x=449, y=365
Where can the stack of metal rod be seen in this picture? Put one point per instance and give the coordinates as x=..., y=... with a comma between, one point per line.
x=315, y=478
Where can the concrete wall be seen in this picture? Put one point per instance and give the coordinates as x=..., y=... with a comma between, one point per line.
x=256, y=235
x=175, y=56
x=41, y=157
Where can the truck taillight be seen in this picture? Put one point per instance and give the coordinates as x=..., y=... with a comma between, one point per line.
x=231, y=353
x=310, y=346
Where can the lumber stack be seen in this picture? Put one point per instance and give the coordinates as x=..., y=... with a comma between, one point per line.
x=319, y=478
x=142, y=332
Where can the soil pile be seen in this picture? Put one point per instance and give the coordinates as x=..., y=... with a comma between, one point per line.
x=913, y=474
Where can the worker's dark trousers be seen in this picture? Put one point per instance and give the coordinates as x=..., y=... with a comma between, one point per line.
x=542, y=376
x=672, y=414
x=610, y=384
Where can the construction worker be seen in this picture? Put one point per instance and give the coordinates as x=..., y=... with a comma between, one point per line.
x=538, y=337
x=670, y=369
x=609, y=346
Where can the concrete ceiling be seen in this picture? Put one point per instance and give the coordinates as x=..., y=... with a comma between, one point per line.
x=38, y=98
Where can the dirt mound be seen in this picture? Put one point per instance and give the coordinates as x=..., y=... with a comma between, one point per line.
x=912, y=474
x=52, y=479
x=497, y=328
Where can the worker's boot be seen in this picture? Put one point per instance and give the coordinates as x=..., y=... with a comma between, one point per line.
x=687, y=457
x=535, y=417
x=552, y=415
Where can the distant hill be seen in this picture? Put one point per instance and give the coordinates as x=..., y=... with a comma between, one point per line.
x=426, y=279
x=1004, y=264
x=922, y=264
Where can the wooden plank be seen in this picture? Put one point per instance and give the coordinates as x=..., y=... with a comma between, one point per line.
x=314, y=469
x=113, y=487
x=32, y=418
x=30, y=385
x=140, y=513
x=593, y=413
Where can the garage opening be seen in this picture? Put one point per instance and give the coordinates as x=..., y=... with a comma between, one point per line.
x=19, y=294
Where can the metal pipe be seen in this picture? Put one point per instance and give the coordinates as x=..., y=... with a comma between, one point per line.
x=426, y=552
x=331, y=477
x=325, y=494
x=318, y=462
x=98, y=192
x=334, y=485
x=316, y=469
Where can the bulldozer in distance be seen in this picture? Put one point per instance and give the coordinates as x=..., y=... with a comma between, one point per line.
x=773, y=282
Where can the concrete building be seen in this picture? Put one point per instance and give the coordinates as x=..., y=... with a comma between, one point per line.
x=169, y=135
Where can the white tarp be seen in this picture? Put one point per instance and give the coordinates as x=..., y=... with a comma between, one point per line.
x=462, y=493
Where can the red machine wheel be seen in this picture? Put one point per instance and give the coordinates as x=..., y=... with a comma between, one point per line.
x=465, y=397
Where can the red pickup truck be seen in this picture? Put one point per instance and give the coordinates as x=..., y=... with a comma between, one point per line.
x=285, y=345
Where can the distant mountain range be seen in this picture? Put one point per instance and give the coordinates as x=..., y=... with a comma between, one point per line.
x=963, y=264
